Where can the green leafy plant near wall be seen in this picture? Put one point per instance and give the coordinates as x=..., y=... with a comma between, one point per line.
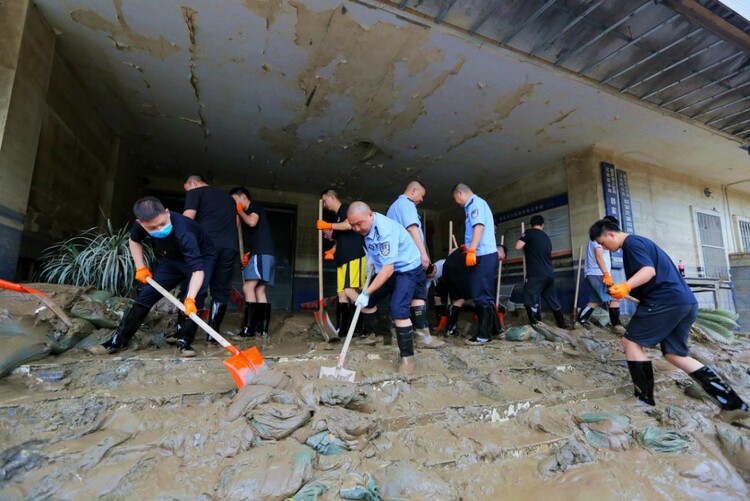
x=95, y=259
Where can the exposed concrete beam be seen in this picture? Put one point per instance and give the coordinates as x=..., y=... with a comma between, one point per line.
x=706, y=19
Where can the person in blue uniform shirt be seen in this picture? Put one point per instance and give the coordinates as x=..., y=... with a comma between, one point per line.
x=404, y=212
x=398, y=265
x=214, y=210
x=186, y=250
x=666, y=310
x=481, y=259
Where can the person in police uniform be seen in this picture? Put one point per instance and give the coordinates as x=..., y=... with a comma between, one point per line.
x=398, y=265
x=481, y=259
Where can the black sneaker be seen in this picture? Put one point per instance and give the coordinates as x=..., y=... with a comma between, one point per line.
x=477, y=341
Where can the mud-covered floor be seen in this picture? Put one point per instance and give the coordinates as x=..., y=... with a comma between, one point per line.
x=508, y=420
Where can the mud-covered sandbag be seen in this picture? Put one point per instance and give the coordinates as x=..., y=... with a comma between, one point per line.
x=329, y=392
x=310, y=491
x=569, y=454
x=97, y=295
x=600, y=317
x=358, y=486
x=274, y=421
x=270, y=472
x=247, y=398
x=119, y=305
x=78, y=331
x=326, y=443
x=99, y=336
x=95, y=312
x=661, y=440
x=521, y=333
x=19, y=350
x=674, y=418
x=356, y=429
x=407, y=480
x=736, y=448
x=605, y=430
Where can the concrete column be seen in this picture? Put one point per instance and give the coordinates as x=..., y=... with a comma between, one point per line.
x=739, y=264
x=27, y=46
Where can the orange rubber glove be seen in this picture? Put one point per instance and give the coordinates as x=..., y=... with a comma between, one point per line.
x=607, y=279
x=239, y=208
x=245, y=259
x=190, y=306
x=619, y=291
x=329, y=254
x=471, y=257
x=323, y=225
x=141, y=274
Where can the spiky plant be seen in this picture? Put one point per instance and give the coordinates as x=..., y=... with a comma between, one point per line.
x=95, y=259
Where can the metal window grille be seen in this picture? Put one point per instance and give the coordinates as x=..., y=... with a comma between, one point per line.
x=744, y=229
x=712, y=245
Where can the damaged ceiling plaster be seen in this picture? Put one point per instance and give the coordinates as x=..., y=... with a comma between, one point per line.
x=299, y=95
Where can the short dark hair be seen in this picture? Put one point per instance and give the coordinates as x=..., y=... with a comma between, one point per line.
x=612, y=219
x=461, y=187
x=194, y=177
x=602, y=226
x=536, y=220
x=329, y=191
x=240, y=190
x=148, y=208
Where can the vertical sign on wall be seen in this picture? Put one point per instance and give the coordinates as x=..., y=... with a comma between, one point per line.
x=612, y=203
x=626, y=209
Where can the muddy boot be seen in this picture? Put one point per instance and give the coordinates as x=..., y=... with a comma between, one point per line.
x=264, y=318
x=533, y=313
x=216, y=316
x=124, y=333
x=187, y=336
x=452, y=328
x=642, y=374
x=347, y=314
x=584, y=315
x=405, y=340
x=614, y=319
x=369, y=336
x=716, y=387
x=497, y=328
x=560, y=319
x=249, y=321
x=485, y=326
x=422, y=330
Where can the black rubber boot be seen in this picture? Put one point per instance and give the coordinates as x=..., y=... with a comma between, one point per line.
x=497, y=329
x=187, y=336
x=485, y=327
x=585, y=314
x=250, y=321
x=533, y=313
x=642, y=374
x=405, y=340
x=714, y=385
x=264, y=320
x=419, y=316
x=216, y=316
x=440, y=312
x=559, y=319
x=614, y=316
x=452, y=329
x=125, y=330
x=369, y=324
x=347, y=314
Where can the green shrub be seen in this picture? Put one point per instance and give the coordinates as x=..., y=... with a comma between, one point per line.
x=95, y=259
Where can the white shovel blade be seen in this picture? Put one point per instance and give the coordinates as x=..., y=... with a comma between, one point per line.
x=339, y=374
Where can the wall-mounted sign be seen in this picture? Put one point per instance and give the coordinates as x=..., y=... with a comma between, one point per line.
x=556, y=224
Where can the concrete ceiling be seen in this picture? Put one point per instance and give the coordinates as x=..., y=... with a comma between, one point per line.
x=299, y=95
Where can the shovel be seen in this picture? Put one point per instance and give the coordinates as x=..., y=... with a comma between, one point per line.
x=44, y=298
x=321, y=316
x=339, y=372
x=243, y=365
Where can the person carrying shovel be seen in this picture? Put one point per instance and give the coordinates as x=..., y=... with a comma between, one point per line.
x=666, y=310
x=398, y=265
x=187, y=251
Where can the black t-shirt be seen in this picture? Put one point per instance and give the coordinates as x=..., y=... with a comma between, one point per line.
x=350, y=245
x=187, y=242
x=667, y=287
x=216, y=213
x=259, y=239
x=538, y=250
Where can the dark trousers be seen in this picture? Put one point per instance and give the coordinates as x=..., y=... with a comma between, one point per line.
x=544, y=286
x=221, y=277
x=402, y=287
x=482, y=278
x=169, y=274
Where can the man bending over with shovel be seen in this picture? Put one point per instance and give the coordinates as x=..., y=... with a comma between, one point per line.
x=187, y=252
x=398, y=265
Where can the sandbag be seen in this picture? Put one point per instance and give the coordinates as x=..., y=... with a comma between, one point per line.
x=99, y=336
x=736, y=448
x=19, y=350
x=310, y=492
x=521, y=333
x=605, y=430
x=407, y=480
x=95, y=312
x=357, y=486
x=569, y=454
x=600, y=317
x=660, y=440
x=274, y=421
x=326, y=443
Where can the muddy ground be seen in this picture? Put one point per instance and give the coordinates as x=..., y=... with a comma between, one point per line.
x=510, y=420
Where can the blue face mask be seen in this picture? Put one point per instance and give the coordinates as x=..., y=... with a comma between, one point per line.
x=162, y=233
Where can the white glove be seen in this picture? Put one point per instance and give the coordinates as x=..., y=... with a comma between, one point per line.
x=362, y=300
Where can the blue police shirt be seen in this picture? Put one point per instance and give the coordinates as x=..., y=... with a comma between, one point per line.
x=404, y=212
x=389, y=243
x=478, y=212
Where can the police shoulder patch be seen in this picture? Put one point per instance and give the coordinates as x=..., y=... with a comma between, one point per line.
x=385, y=248
x=474, y=213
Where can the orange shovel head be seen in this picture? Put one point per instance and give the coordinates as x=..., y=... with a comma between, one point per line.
x=245, y=366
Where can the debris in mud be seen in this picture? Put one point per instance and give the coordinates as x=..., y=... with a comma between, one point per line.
x=571, y=453
x=736, y=447
x=659, y=440
x=605, y=429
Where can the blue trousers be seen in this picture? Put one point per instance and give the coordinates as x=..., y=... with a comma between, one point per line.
x=482, y=278
x=169, y=274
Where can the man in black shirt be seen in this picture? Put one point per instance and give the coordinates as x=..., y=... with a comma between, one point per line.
x=258, y=264
x=187, y=252
x=349, y=256
x=540, y=274
x=214, y=210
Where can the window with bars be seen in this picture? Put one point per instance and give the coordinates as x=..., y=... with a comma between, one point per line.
x=711, y=240
x=743, y=230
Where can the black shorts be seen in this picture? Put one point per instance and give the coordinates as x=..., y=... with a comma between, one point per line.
x=668, y=326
